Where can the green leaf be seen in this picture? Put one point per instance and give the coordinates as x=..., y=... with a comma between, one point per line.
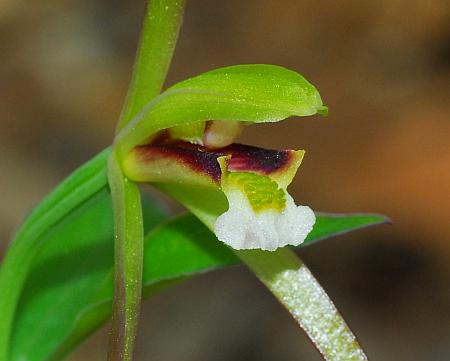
x=160, y=32
x=71, y=272
x=249, y=93
x=340, y=223
x=71, y=278
x=81, y=185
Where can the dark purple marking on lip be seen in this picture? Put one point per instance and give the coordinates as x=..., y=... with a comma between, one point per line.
x=248, y=158
x=204, y=160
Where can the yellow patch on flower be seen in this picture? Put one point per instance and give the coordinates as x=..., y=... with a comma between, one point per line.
x=262, y=192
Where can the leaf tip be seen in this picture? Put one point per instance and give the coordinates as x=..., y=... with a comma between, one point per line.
x=322, y=110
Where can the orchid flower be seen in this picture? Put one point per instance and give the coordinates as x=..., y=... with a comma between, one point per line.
x=198, y=151
x=261, y=214
x=182, y=141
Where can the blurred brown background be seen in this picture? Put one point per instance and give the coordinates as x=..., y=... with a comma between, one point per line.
x=383, y=68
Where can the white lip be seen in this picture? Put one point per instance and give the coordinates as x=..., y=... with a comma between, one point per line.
x=241, y=228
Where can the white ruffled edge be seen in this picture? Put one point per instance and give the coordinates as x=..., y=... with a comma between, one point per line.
x=241, y=228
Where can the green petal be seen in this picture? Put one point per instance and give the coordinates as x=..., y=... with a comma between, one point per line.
x=192, y=132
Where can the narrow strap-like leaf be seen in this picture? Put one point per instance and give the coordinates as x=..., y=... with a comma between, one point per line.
x=176, y=249
x=76, y=189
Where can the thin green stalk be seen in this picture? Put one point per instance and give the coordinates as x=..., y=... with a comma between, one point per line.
x=128, y=255
x=293, y=284
x=159, y=36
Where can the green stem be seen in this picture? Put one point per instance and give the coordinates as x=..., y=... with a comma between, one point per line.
x=128, y=254
x=292, y=283
x=159, y=36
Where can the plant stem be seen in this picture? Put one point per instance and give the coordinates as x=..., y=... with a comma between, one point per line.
x=159, y=36
x=293, y=284
x=128, y=255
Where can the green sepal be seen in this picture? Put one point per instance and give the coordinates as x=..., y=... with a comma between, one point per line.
x=255, y=93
